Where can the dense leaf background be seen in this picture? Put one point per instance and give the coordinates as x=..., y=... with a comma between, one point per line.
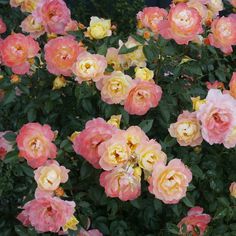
x=68, y=109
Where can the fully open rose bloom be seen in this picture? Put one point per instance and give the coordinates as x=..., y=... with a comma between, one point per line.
x=169, y=183
x=89, y=67
x=5, y=146
x=143, y=96
x=3, y=26
x=115, y=87
x=60, y=54
x=53, y=15
x=16, y=50
x=87, y=142
x=232, y=189
x=47, y=214
x=218, y=118
x=184, y=24
x=34, y=142
x=187, y=129
x=149, y=153
x=195, y=218
x=150, y=17
x=122, y=183
x=223, y=34
x=49, y=176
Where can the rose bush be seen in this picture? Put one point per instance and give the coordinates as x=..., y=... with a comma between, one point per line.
x=111, y=129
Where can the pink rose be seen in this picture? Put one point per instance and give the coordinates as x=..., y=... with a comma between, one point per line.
x=92, y=232
x=169, y=183
x=47, y=214
x=15, y=51
x=87, y=142
x=233, y=3
x=186, y=130
x=53, y=14
x=195, y=218
x=215, y=85
x=150, y=17
x=183, y=24
x=5, y=146
x=223, y=34
x=218, y=118
x=143, y=96
x=3, y=27
x=34, y=142
x=60, y=54
x=124, y=183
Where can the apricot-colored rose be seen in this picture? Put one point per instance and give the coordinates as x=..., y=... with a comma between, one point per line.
x=47, y=214
x=89, y=67
x=16, y=50
x=223, y=34
x=187, y=129
x=34, y=142
x=143, y=96
x=150, y=17
x=122, y=183
x=195, y=218
x=169, y=183
x=60, y=54
x=115, y=87
x=183, y=24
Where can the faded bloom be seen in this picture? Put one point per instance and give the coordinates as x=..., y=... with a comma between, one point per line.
x=195, y=218
x=144, y=74
x=47, y=214
x=60, y=54
x=223, y=34
x=143, y=96
x=16, y=50
x=169, y=183
x=187, y=129
x=5, y=146
x=99, y=28
x=115, y=87
x=150, y=17
x=89, y=67
x=183, y=25
x=87, y=142
x=232, y=189
x=3, y=26
x=34, y=142
x=122, y=183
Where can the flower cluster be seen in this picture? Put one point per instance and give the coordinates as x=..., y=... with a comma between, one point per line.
x=123, y=154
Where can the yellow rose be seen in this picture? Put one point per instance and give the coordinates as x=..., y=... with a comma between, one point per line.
x=115, y=120
x=144, y=74
x=99, y=28
x=59, y=82
x=29, y=5
x=71, y=224
x=197, y=102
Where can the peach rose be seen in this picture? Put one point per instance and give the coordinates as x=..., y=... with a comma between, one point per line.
x=34, y=142
x=218, y=118
x=149, y=153
x=114, y=152
x=223, y=34
x=233, y=3
x=122, y=183
x=169, y=183
x=3, y=27
x=47, y=214
x=49, y=176
x=16, y=50
x=115, y=87
x=143, y=96
x=150, y=17
x=186, y=130
x=195, y=218
x=60, y=54
x=5, y=146
x=53, y=15
x=232, y=189
x=87, y=142
x=89, y=67
x=183, y=24
x=31, y=26
x=232, y=85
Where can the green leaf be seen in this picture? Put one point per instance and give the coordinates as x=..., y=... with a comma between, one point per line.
x=172, y=228
x=31, y=115
x=9, y=97
x=138, y=38
x=11, y=157
x=125, y=50
x=102, y=50
x=86, y=170
x=10, y=136
x=146, y=125
x=188, y=202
